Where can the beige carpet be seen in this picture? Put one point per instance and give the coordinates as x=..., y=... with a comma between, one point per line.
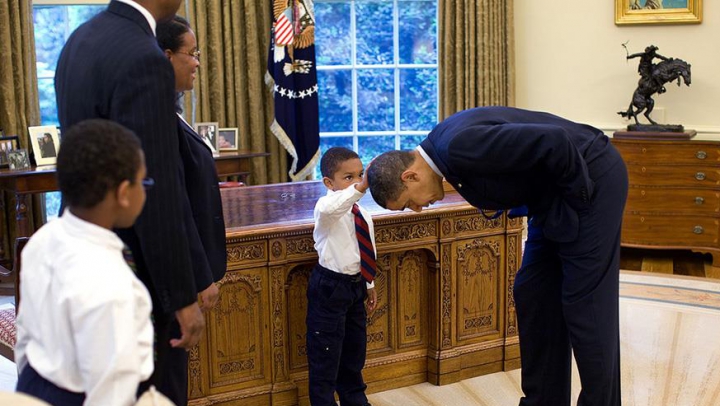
x=670, y=337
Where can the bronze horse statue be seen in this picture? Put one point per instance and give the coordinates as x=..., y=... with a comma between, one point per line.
x=663, y=72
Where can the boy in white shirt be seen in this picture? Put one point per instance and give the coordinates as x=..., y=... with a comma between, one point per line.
x=84, y=330
x=340, y=284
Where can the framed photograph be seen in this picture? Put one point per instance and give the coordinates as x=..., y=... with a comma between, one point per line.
x=9, y=143
x=634, y=12
x=228, y=139
x=18, y=159
x=45, y=142
x=209, y=134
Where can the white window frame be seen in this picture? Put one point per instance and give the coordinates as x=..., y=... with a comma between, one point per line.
x=395, y=66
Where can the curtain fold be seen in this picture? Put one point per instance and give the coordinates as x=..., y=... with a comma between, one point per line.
x=233, y=38
x=476, y=54
x=19, y=106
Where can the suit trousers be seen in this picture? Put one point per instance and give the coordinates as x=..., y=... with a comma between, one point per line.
x=336, y=337
x=566, y=297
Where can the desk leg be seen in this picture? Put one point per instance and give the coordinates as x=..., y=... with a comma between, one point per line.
x=21, y=219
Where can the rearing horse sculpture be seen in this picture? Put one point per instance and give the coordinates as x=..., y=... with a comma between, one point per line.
x=663, y=72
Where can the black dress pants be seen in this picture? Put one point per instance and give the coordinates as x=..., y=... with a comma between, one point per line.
x=566, y=297
x=336, y=338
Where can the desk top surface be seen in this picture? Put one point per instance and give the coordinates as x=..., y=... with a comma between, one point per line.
x=292, y=204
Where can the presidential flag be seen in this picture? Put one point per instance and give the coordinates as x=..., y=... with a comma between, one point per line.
x=292, y=76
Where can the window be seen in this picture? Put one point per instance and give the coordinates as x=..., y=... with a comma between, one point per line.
x=54, y=21
x=377, y=73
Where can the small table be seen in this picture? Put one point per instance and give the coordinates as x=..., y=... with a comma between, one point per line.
x=24, y=182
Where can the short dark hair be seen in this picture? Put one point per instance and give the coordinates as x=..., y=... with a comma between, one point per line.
x=384, y=175
x=169, y=33
x=169, y=36
x=96, y=156
x=332, y=159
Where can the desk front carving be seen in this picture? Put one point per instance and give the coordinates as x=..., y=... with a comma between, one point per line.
x=445, y=309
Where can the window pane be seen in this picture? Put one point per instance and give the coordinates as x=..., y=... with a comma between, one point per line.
x=374, y=32
x=328, y=142
x=376, y=96
x=52, y=205
x=371, y=146
x=335, y=100
x=332, y=34
x=411, y=141
x=418, y=99
x=417, y=26
x=48, y=105
x=50, y=24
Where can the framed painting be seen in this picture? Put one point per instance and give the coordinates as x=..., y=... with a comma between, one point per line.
x=634, y=12
x=228, y=139
x=45, y=141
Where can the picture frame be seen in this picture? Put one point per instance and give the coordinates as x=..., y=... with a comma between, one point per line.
x=18, y=159
x=7, y=143
x=208, y=132
x=633, y=12
x=228, y=139
x=45, y=141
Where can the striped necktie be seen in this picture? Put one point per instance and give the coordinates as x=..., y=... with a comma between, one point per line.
x=368, y=266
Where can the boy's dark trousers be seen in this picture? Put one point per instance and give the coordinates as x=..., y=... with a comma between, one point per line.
x=336, y=337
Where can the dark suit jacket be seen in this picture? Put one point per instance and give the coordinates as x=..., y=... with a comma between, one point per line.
x=501, y=158
x=111, y=67
x=207, y=241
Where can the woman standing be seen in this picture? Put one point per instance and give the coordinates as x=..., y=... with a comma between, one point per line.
x=207, y=236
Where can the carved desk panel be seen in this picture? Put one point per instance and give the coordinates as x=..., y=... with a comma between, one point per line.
x=445, y=309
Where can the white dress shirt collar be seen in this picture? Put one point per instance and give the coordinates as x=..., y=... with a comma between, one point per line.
x=149, y=17
x=78, y=227
x=429, y=161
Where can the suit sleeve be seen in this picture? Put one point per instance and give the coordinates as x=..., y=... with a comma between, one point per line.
x=144, y=102
x=518, y=148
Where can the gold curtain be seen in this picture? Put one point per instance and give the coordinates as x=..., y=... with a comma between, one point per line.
x=19, y=106
x=233, y=38
x=476, y=54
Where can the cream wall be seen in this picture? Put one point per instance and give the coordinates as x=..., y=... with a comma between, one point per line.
x=569, y=61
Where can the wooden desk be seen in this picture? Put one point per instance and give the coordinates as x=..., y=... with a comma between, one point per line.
x=26, y=182
x=444, y=284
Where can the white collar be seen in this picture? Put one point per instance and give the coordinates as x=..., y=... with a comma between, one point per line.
x=429, y=161
x=149, y=17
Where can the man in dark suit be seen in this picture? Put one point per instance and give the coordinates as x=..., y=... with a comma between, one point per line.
x=572, y=183
x=112, y=68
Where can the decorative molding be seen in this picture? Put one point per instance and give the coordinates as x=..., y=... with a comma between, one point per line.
x=249, y=252
x=477, y=223
x=446, y=288
x=277, y=293
x=194, y=373
x=300, y=246
x=512, y=266
x=407, y=232
x=277, y=249
x=236, y=366
x=255, y=281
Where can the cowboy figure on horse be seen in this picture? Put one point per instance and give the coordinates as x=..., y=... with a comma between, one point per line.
x=652, y=80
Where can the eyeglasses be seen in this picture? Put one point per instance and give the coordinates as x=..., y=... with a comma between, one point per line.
x=195, y=54
x=148, y=183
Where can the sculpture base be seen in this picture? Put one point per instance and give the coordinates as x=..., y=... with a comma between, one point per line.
x=657, y=128
x=654, y=135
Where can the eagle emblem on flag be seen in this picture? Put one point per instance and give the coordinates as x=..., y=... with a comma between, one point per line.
x=292, y=77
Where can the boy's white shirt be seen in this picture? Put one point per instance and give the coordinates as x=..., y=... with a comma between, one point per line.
x=334, y=233
x=84, y=321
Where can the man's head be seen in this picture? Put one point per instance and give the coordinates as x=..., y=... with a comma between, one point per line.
x=162, y=10
x=340, y=168
x=403, y=179
x=102, y=163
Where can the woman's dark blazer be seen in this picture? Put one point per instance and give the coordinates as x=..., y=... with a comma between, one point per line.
x=201, y=180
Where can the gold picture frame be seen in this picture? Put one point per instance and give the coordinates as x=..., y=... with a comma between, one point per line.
x=632, y=12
